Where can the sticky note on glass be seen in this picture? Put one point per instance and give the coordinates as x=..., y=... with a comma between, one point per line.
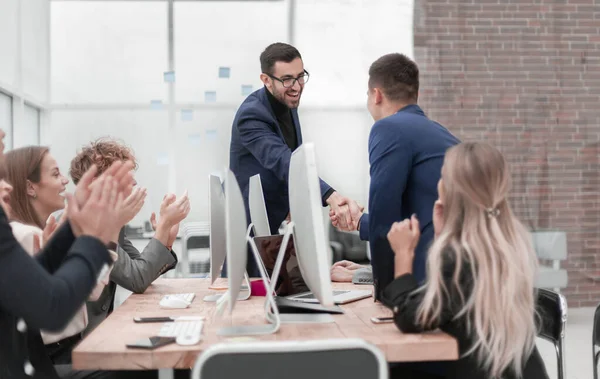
x=162, y=159
x=246, y=89
x=224, y=72
x=210, y=97
x=187, y=115
x=169, y=76
x=211, y=135
x=194, y=139
x=156, y=104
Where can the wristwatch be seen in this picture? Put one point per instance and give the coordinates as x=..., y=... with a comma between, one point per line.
x=111, y=246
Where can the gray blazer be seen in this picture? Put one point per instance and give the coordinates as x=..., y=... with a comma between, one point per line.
x=132, y=271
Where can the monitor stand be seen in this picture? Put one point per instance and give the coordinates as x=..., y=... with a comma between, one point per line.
x=243, y=295
x=273, y=321
x=292, y=318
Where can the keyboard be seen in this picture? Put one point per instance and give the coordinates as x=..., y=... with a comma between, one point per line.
x=363, y=276
x=181, y=328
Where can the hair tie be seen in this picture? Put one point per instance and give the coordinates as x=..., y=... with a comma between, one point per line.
x=492, y=212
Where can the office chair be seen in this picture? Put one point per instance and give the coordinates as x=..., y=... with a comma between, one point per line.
x=552, y=311
x=551, y=246
x=596, y=340
x=353, y=249
x=316, y=359
x=194, y=235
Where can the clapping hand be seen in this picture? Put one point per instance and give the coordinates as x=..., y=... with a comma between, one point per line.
x=99, y=215
x=119, y=171
x=172, y=234
x=404, y=237
x=172, y=212
x=132, y=205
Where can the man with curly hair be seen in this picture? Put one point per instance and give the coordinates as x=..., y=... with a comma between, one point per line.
x=133, y=270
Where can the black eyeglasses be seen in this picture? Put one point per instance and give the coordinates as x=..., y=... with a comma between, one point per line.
x=290, y=82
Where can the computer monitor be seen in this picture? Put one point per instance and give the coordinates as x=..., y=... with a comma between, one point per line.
x=218, y=237
x=310, y=240
x=218, y=250
x=258, y=211
x=238, y=235
x=309, y=229
x=258, y=208
x=233, y=209
x=235, y=225
x=259, y=217
x=262, y=233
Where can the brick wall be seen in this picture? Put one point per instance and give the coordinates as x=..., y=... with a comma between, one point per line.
x=525, y=76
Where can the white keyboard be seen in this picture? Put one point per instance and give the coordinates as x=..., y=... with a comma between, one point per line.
x=177, y=300
x=186, y=332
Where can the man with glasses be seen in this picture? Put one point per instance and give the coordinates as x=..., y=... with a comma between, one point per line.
x=266, y=130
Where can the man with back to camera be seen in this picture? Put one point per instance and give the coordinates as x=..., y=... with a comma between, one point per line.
x=406, y=154
x=265, y=132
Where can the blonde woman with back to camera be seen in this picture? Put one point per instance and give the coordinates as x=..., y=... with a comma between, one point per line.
x=480, y=272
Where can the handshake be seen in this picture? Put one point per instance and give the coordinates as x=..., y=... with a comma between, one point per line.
x=344, y=212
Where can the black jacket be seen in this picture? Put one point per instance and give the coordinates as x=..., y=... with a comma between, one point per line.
x=400, y=297
x=42, y=292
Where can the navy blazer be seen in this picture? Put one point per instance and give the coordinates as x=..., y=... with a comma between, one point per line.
x=406, y=154
x=258, y=147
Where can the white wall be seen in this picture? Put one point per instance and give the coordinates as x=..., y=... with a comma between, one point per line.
x=24, y=43
x=141, y=130
x=209, y=35
x=108, y=52
x=28, y=130
x=340, y=39
x=6, y=119
x=35, y=16
x=9, y=44
x=108, y=60
x=24, y=68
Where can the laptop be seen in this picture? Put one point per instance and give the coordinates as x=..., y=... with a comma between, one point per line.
x=340, y=297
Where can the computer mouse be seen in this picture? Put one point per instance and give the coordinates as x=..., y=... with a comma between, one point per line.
x=173, y=302
x=188, y=339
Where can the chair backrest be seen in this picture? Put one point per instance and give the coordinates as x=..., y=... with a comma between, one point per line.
x=596, y=327
x=195, y=235
x=552, y=311
x=353, y=248
x=550, y=245
x=315, y=359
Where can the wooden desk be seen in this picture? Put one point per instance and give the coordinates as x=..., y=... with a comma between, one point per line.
x=104, y=348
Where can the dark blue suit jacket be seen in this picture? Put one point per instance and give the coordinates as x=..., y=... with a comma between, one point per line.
x=258, y=147
x=406, y=154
